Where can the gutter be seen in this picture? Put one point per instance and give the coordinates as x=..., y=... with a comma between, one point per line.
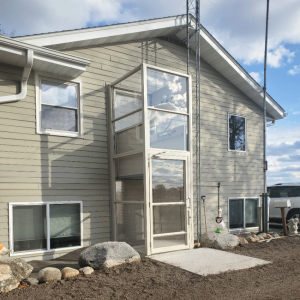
x=24, y=80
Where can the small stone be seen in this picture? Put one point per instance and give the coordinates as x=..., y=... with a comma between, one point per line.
x=262, y=234
x=261, y=238
x=274, y=234
x=250, y=239
x=133, y=259
x=49, y=274
x=87, y=270
x=255, y=237
x=69, y=272
x=30, y=281
x=268, y=236
x=243, y=241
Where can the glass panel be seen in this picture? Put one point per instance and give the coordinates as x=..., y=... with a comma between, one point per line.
x=130, y=167
x=236, y=213
x=58, y=118
x=237, y=133
x=29, y=227
x=169, y=241
x=126, y=102
x=251, y=212
x=127, y=122
x=59, y=94
x=64, y=225
x=284, y=191
x=130, y=225
x=129, y=190
x=133, y=83
x=167, y=130
x=129, y=139
x=166, y=91
x=167, y=181
x=168, y=219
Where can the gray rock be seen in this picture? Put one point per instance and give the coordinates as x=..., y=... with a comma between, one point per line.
x=207, y=239
x=226, y=242
x=69, y=272
x=30, y=281
x=274, y=234
x=8, y=282
x=49, y=274
x=87, y=270
x=19, y=267
x=243, y=241
x=107, y=254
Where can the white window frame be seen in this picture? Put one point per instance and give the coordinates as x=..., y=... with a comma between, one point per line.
x=244, y=215
x=236, y=115
x=11, y=236
x=79, y=134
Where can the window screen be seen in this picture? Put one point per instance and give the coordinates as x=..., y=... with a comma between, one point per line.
x=237, y=133
x=236, y=213
x=59, y=106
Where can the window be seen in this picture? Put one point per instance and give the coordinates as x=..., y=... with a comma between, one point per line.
x=45, y=226
x=236, y=133
x=58, y=107
x=243, y=213
x=284, y=191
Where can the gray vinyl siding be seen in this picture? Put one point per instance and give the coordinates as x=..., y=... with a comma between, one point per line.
x=37, y=168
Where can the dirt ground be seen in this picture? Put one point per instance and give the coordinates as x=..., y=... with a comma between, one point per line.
x=154, y=280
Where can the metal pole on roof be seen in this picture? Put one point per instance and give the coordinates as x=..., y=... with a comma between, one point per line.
x=265, y=164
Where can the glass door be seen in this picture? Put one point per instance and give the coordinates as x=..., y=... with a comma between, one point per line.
x=170, y=206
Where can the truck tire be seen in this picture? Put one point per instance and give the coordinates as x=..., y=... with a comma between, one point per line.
x=293, y=213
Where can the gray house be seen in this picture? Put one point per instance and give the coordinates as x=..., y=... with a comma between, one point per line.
x=97, y=139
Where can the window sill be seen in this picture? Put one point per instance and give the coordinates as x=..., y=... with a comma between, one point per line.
x=61, y=133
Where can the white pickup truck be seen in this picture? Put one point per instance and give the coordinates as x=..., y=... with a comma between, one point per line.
x=284, y=191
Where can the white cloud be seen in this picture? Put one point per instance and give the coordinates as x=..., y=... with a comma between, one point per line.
x=256, y=76
x=276, y=57
x=296, y=112
x=295, y=70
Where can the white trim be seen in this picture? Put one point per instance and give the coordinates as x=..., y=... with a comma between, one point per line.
x=48, y=250
x=228, y=135
x=78, y=82
x=244, y=213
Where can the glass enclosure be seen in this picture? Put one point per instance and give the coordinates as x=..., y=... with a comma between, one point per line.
x=149, y=121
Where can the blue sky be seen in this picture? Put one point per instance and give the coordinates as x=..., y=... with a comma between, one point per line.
x=239, y=25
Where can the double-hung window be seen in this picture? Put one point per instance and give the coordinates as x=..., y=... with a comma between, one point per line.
x=59, y=107
x=45, y=226
x=236, y=133
x=243, y=213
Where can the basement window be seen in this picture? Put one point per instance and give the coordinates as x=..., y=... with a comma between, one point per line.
x=243, y=213
x=37, y=227
x=236, y=133
x=58, y=107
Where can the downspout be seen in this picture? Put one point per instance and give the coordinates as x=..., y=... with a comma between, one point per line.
x=271, y=124
x=24, y=80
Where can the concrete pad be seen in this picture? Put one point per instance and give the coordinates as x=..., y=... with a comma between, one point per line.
x=206, y=261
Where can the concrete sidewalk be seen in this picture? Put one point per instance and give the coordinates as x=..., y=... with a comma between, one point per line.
x=206, y=261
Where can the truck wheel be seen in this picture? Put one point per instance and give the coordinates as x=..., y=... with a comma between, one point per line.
x=293, y=213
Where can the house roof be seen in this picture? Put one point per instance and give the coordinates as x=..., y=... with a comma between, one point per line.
x=211, y=50
x=45, y=60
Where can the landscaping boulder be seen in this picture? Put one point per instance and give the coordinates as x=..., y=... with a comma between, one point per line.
x=207, y=239
x=69, y=272
x=7, y=280
x=261, y=238
x=20, y=269
x=107, y=254
x=87, y=270
x=226, y=241
x=49, y=274
x=30, y=281
x=274, y=234
x=255, y=237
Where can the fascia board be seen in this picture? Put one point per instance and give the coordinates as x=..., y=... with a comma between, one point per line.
x=66, y=37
